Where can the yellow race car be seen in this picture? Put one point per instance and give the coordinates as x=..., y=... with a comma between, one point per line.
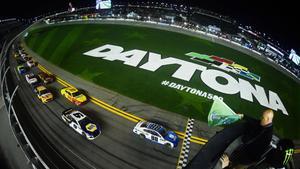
x=43, y=94
x=16, y=55
x=73, y=95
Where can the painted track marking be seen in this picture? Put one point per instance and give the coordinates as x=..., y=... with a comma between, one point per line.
x=185, y=148
x=119, y=112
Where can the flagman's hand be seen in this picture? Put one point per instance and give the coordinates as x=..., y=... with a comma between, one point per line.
x=240, y=114
x=224, y=160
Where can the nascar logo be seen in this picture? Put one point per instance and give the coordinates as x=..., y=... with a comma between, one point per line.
x=187, y=69
x=224, y=64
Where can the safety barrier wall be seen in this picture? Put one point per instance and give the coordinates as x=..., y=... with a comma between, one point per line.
x=9, y=93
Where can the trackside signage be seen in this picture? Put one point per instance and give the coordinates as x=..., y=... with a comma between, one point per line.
x=187, y=69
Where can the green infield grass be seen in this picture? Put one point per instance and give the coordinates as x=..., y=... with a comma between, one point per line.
x=64, y=46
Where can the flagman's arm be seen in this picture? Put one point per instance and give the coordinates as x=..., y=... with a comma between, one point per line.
x=248, y=119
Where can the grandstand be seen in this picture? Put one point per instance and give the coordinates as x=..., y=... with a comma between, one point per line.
x=7, y=27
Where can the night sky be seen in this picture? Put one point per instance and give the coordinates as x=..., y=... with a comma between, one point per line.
x=279, y=19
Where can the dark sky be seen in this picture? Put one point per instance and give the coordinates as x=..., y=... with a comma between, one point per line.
x=280, y=19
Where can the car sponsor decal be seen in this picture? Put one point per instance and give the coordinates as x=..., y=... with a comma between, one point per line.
x=91, y=127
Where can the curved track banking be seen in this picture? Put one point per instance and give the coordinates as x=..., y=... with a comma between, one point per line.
x=117, y=111
x=12, y=156
x=117, y=147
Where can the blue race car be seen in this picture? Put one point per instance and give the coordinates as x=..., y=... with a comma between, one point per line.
x=156, y=133
x=81, y=123
x=21, y=69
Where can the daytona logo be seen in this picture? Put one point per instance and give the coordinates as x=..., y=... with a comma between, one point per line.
x=185, y=72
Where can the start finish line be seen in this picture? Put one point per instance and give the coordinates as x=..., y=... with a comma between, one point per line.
x=186, y=70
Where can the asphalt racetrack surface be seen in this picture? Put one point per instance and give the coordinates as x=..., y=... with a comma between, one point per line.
x=64, y=45
x=116, y=147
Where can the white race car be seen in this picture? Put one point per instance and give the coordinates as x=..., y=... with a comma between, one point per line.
x=81, y=123
x=31, y=63
x=31, y=79
x=22, y=55
x=156, y=133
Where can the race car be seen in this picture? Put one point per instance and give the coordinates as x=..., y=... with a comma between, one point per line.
x=31, y=79
x=43, y=94
x=21, y=69
x=156, y=133
x=22, y=55
x=25, y=57
x=73, y=95
x=16, y=55
x=81, y=123
x=21, y=51
x=31, y=63
x=20, y=61
x=46, y=78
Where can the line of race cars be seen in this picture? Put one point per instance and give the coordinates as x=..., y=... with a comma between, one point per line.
x=76, y=119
